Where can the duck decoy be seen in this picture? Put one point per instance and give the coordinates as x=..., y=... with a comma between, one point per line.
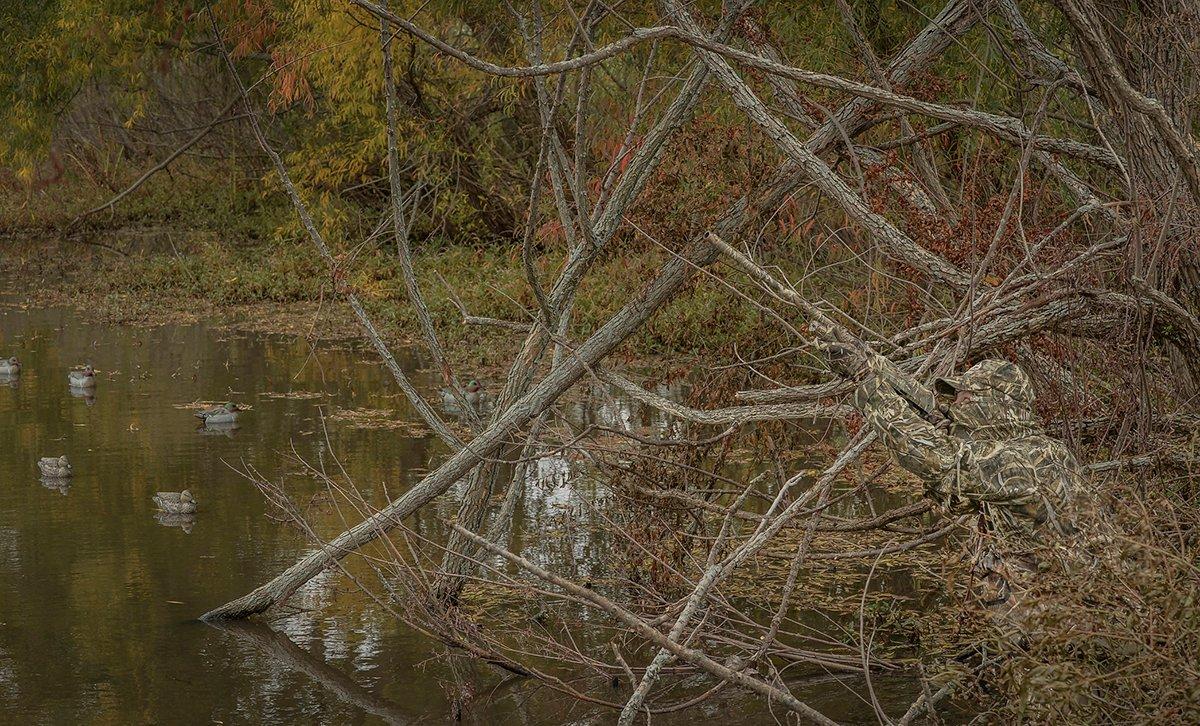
x=472, y=392
x=54, y=467
x=10, y=368
x=83, y=378
x=226, y=413
x=176, y=502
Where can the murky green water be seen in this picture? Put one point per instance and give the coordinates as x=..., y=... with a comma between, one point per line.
x=97, y=596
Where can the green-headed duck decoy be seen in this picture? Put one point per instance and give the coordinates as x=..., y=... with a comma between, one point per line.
x=83, y=378
x=226, y=413
x=472, y=392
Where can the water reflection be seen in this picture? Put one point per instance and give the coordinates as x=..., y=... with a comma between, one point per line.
x=308, y=604
x=293, y=657
x=111, y=583
x=87, y=394
x=182, y=521
x=608, y=407
x=551, y=475
x=226, y=430
x=57, y=484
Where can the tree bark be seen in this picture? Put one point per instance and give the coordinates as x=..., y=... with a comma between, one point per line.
x=1142, y=59
x=628, y=320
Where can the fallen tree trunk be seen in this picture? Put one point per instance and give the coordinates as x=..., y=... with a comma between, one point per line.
x=623, y=324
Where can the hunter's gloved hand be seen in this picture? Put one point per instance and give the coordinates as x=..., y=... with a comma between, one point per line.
x=845, y=359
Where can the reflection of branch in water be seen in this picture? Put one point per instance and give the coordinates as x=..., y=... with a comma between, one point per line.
x=280, y=647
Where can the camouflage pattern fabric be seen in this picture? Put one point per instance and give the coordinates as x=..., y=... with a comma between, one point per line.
x=985, y=452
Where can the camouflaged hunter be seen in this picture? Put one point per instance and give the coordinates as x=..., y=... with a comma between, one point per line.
x=984, y=452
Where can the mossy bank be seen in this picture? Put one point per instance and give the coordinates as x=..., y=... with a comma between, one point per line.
x=227, y=248
x=286, y=288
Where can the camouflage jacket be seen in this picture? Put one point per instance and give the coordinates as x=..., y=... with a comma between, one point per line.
x=985, y=452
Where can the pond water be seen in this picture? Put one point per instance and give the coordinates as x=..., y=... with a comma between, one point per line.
x=98, y=596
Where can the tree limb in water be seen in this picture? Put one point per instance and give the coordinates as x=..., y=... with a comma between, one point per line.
x=623, y=324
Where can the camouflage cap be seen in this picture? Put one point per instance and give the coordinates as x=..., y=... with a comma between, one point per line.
x=1000, y=376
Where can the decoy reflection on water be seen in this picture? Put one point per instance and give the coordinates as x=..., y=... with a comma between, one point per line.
x=82, y=378
x=176, y=502
x=87, y=394
x=54, y=467
x=225, y=430
x=59, y=484
x=182, y=521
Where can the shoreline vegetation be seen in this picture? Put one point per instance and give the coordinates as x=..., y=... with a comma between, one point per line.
x=279, y=288
x=741, y=192
x=159, y=261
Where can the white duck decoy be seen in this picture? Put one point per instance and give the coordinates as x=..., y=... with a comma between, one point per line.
x=54, y=467
x=83, y=378
x=10, y=368
x=176, y=502
x=226, y=413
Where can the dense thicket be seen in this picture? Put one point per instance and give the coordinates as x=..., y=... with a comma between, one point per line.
x=941, y=182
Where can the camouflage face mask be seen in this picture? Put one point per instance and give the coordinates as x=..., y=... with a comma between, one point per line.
x=994, y=396
x=995, y=376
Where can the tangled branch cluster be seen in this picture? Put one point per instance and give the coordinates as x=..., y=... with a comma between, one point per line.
x=932, y=230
